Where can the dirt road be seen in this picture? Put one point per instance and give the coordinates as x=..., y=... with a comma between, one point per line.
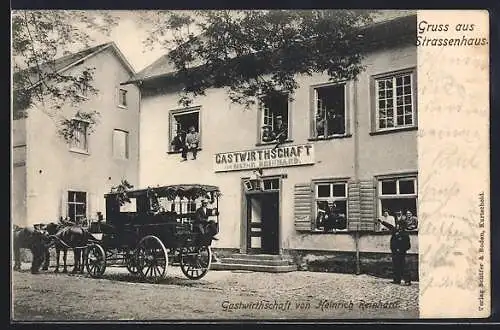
x=219, y=295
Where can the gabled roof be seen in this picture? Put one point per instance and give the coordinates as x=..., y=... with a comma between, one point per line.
x=388, y=29
x=64, y=63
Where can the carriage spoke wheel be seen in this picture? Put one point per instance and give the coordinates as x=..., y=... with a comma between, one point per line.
x=131, y=263
x=95, y=261
x=151, y=258
x=196, y=261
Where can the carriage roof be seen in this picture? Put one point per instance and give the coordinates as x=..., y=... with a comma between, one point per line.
x=191, y=191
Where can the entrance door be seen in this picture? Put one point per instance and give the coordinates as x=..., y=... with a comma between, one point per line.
x=263, y=222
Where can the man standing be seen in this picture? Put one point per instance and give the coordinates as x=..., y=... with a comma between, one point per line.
x=400, y=244
x=192, y=141
x=201, y=219
x=280, y=132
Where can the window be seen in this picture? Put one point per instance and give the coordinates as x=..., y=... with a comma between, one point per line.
x=274, y=118
x=120, y=144
x=180, y=122
x=395, y=101
x=80, y=135
x=330, y=206
x=398, y=194
x=77, y=205
x=130, y=206
x=122, y=98
x=329, y=111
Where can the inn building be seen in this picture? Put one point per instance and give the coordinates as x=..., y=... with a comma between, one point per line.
x=351, y=143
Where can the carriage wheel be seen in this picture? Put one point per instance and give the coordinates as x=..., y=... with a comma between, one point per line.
x=131, y=264
x=95, y=261
x=195, y=261
x=151, y=257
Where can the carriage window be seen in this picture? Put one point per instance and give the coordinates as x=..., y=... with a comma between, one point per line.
x=77, y=205
x=180, y=122
x=331, y=198
x=129, y=207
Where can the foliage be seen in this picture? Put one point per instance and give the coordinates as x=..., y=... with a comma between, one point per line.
x=41, y=37
x=121, y=192
x=68, y=127
x=257, y=52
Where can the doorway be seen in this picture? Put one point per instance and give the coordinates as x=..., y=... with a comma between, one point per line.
x=263, y=222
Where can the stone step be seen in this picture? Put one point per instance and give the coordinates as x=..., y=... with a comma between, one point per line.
x=259, y=256
x=266, y=262
x=255, y=268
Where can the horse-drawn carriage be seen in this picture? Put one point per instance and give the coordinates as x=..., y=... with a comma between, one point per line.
x=148, y=229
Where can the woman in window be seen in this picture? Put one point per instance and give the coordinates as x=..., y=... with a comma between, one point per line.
x=387, y=217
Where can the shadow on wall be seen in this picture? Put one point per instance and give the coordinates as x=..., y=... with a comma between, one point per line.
x=371, y=263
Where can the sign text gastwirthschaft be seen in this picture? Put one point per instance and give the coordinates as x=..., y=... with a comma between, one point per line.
x=264, y=158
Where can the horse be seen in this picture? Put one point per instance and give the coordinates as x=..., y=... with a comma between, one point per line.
x=70, y=237
x=35, y=240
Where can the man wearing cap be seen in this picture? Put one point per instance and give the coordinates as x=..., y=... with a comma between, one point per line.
x=267, y=135
x=201, y=219
x=400, y=244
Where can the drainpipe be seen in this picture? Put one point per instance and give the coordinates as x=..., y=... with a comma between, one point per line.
x=356, y=163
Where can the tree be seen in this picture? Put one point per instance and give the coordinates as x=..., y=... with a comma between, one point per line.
x=259, y=51
x=39, y=38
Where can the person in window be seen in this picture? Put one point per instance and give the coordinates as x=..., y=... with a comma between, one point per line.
x=411, y=221
x=179, y=144
x=322, y=214
x=339, y=218
x=335, y=123
x=267, y=134
x=320, y=124
x=201, y=221
x=387, y=217
x=280, y=132
x=400, y=244
x=192, y=141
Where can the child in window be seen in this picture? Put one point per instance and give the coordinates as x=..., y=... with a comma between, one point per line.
x=192, y=141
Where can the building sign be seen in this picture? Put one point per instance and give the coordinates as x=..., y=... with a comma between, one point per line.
x=264, y=158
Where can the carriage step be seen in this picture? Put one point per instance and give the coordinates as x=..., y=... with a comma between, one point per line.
x=253, y=267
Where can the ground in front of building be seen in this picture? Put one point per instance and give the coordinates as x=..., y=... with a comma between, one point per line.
x=219, y=295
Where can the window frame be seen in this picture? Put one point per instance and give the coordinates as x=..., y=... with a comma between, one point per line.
x=75, y=203
x=314, y=207
x=76, y=148
x=119, y=97
x=397, y=178
x=260, y=119
x=375, y=129
x=183, y=111
x=127, y=144
x=314, y=108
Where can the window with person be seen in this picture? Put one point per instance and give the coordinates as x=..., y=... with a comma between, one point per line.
x=274, y=118
x=79, y=139
x=77, y=205
x=181, y=123
x=398, y=198
x=330, y=206
x=329, y=111
x=395, y=101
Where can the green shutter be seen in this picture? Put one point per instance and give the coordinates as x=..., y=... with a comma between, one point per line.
x=353, y=206
x=367, y=205
x=302, y=207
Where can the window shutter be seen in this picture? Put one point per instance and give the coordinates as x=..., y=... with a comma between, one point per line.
x=367, y=205
x=302, y=207
x=64, y=205
x=353, y=206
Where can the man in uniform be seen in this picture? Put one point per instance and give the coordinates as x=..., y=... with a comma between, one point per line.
x=400, y=244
